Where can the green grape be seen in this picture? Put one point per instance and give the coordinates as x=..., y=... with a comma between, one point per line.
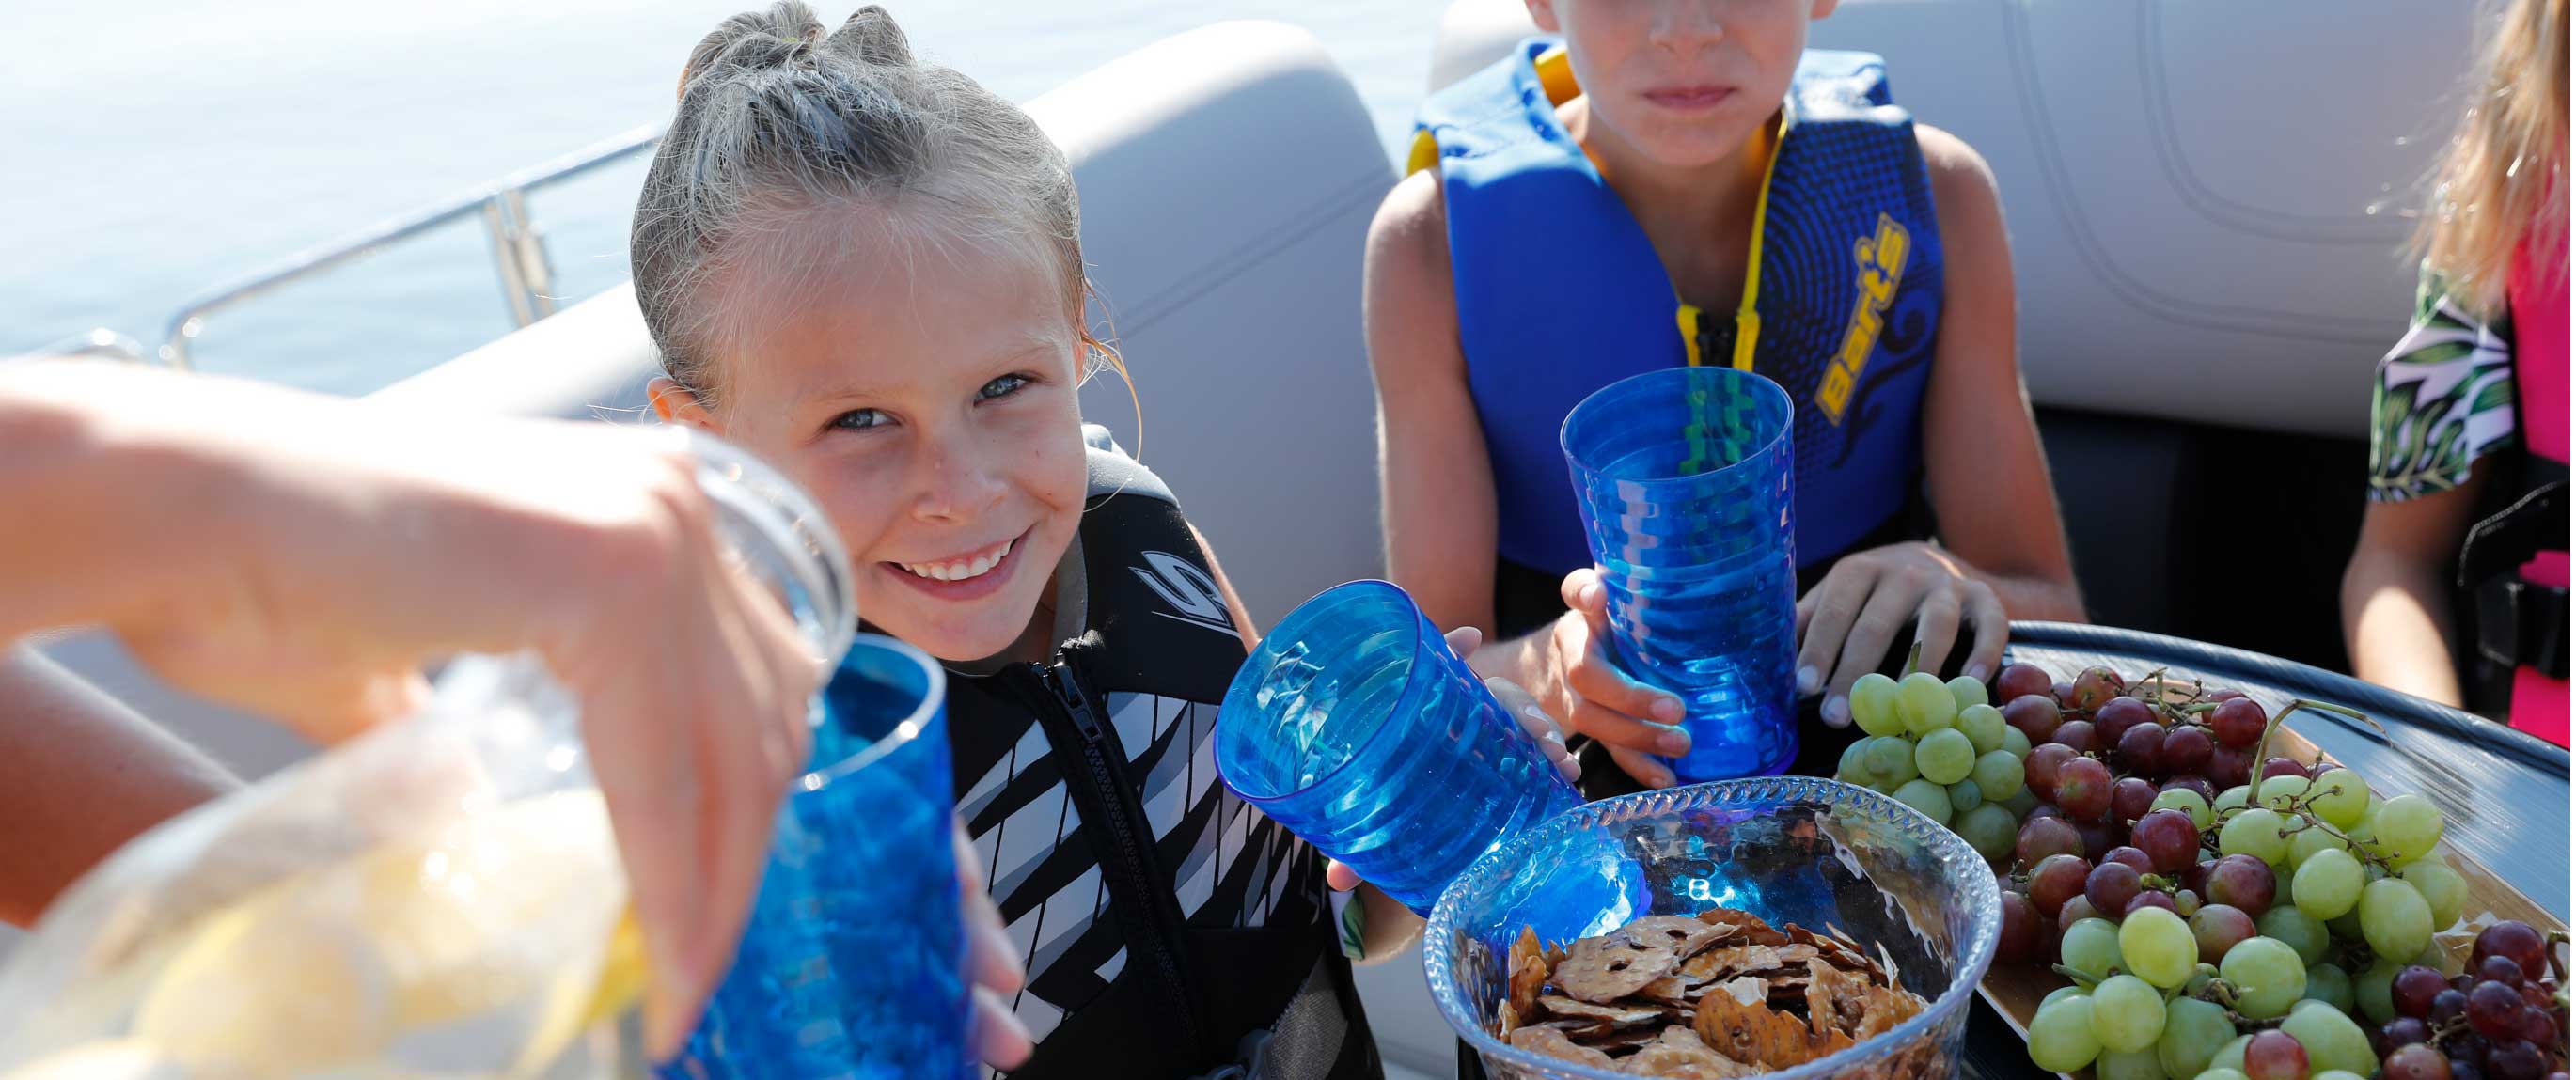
x=1874, y=706
x=1963, y=798
x=2365, y=835
x=1968, y=693
x=2371, y=990
x=2281, y=793
x=2061, y=1036
x=2433, y=957
x=2231, y=1056
x=1984, y=726
x=2332, y=1039
x=1945, y=756
x=2255, y=832
x=2194, y=1030
x=2445, y=891
x=2329, y=984
x=2333, y=1074
x=1890, y=759
x=2054, y=996
x=2328, y=885
x=1991, y=829
x=2296, y=929
x=2134, y=1065
x=2340, y=797
x=2200, y=976
x=2185, y=800
x=2158, y=947
x=1998, y=775
x=2284, y=887
x=2395, y=919
x=2016, y=743
x=2128, y=1014
x=2268, y=976
x=1926, y=796
x=1926, y=703
x=2091, y=946
x=2306, y=843
x=2409, y=826
x=2347, y=926
x=1853, y=769
x=2231, y=799
x=2022, y=802
x=2226, y=1074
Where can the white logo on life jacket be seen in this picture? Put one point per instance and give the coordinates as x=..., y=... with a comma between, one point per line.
x=1190, y=591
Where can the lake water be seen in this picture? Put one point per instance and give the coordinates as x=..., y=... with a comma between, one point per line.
x=155, y=148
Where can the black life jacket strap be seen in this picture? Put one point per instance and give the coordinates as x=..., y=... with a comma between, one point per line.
x=2520, y=623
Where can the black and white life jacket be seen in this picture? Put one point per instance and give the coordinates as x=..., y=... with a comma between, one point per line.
x=1169, y=930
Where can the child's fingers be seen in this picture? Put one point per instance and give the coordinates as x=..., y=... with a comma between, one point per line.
x=1339, y=876
x=1832, y=607
x=1646, y=770
x=1885, y=614
x=1001, y=1041
x=1936, y=627
x=1986, y=614
x=1464, y=640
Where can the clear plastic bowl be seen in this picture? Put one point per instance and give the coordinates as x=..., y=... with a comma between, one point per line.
x=1818, y=853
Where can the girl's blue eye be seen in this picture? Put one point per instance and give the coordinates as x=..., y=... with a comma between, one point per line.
x=860, y=419
x=1002, y=387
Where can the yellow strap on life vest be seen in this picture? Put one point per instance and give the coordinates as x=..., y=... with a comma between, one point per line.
x=1748, y=322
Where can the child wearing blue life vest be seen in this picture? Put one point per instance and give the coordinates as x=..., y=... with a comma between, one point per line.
x=1667, y=182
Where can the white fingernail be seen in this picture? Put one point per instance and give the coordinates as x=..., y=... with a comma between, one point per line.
x=1809, y=680
x=1837, y=710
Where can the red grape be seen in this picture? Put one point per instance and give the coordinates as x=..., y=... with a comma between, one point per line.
x=2042, y=837
x=2083, y=787
x=2318, y=769
x=2044, y=809
x=2132, y=858
x=2225, y=695
x=2131, y=798
x=2514, y=941
x=2281, y=766
x=2195, y=877
x=2020, y=680
x=2446, y=1007
x=2242, y=882
x=2096, y=837
x=2148, y=899
x=2516, y=1060
x=2057, y=878
x=2405, y=1031
x=2415, y=1061
x=2413, y=989
x=2021, y=930
x=2062, y=690
x=2119, y=714
x=2143, y=748
x=2229, y=767
x=2537, y=1028
x=2110, y=887
x=2495, y=1010
x=2198, y=785
x=2168, y=839
x=2035, y=715
x=2237, y=722
x=2186, y=749
x=2500, y=969
x=2077, y=910
x=2218, y=928
x=2039, y=770
x=2094, y=686
x=2078, y=735
x=2466, y=1067
x=2276, y=1055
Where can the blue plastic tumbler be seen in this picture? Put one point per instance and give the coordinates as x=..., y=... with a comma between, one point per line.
x=1683, y=479
x=852, y=965
x=1355, y=727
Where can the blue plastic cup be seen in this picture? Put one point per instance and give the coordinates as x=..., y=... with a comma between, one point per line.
x=1683, y=479
x=1355, y=727
x=852, y=966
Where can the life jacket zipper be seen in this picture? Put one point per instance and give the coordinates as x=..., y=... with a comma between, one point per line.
x=1119, y=819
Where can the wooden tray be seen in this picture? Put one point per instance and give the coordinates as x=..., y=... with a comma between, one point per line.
x=2015, y=990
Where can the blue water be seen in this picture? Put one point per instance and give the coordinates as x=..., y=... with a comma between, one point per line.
x=154, y=148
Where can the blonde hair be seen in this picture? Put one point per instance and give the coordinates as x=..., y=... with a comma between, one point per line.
x=778, y=118
x=2502, y=182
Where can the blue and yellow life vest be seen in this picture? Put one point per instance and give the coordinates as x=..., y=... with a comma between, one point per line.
x=1560, y=293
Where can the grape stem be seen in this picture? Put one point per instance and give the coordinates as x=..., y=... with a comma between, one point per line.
x=2077, y=977
x=2557, y=966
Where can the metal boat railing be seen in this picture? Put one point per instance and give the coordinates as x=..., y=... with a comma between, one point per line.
x=518, y=247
